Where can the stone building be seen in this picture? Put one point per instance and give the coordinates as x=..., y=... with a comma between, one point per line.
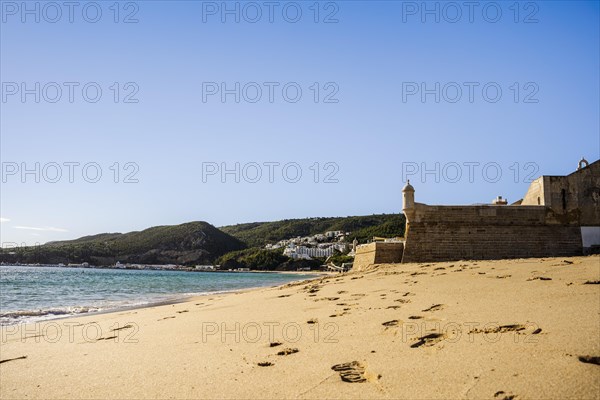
x=558, y=216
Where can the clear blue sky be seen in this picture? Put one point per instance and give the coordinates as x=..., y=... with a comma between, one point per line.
x=373, y=58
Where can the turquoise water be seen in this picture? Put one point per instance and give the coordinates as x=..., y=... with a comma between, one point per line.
x=35, y=293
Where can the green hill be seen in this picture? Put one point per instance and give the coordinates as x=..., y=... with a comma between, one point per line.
x=258, y=234
x=186, y=244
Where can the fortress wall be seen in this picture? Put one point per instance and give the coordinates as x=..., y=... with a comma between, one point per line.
x=364, y=256
x=377, y=253
x=444, y=233
x=535, y=193
x=583, y=194
x=576, y=196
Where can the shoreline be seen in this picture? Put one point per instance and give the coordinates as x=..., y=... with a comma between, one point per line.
x=426, y=331
x=187, y=269
x=175, y=298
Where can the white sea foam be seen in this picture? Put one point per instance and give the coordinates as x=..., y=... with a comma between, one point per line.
x=15, y=317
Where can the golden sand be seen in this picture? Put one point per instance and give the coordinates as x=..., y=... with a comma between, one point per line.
x=472, y=329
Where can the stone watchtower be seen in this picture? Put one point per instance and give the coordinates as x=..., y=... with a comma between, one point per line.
x=408, y=203
x=408, y=196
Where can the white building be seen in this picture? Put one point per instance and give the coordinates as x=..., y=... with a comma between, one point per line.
x=302, y=252
x=205, y=268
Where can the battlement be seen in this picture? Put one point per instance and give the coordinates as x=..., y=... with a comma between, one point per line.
x=558, y=216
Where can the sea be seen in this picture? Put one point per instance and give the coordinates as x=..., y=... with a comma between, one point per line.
x=31, y=294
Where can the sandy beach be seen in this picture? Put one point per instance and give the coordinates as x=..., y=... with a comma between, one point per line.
x=524, y=329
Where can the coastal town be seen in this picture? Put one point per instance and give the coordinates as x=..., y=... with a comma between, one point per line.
x=320, y=246
x=315, y=246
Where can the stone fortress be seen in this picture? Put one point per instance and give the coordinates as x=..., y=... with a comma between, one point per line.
x=558, y=216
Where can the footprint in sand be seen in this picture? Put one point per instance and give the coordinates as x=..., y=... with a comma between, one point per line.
x=106, y=338
x=352, y=372
x=265, y=364
x=518, y=328
x=165, y=318
x=502, y=395
x=435, y=307
x=312, y=321
x=36, y=336
x=393, y=322
x=331, y=298
x=393, y=273
x=415, y=317
x=313, y=288
x=284, y=295
x=123, y=327
x=275, y=344
x=589, y=359
x=402, y=301
x=287, y=352
x=591, y=283
x=428, y=340
x=13, y=359
x=182, y=311
x=500, y=329
x=393, y=307
x=541, y=278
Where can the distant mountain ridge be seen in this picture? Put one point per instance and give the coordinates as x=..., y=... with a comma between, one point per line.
x=84, y=239
x=186, y=244
x=198, y=242
x=363, y=228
